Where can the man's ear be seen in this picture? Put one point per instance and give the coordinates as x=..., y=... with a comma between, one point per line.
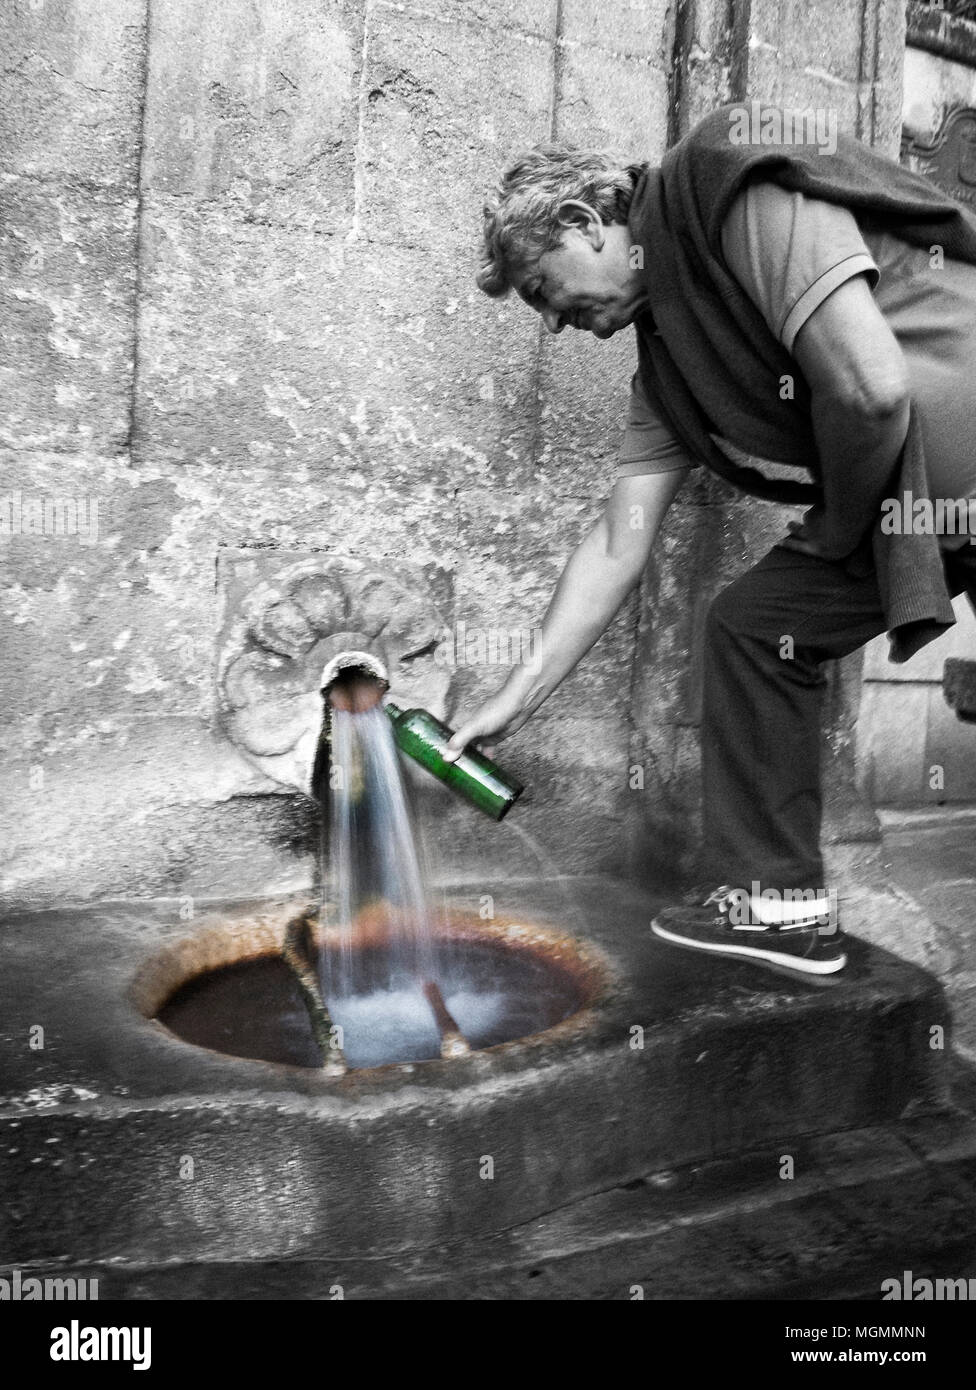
x=580, y=217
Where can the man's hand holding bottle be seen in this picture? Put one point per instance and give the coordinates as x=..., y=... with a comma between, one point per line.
x=501, y=715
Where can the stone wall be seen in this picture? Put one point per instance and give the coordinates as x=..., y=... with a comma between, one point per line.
x=912, y=750
x=239, y=247
x=238, y=305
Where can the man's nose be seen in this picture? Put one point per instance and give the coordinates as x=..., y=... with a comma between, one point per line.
x=553, y=320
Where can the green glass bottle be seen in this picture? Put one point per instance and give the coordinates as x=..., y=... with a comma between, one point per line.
x=473, y=776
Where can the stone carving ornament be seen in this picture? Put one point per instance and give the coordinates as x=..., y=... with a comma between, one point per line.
x=290, y=628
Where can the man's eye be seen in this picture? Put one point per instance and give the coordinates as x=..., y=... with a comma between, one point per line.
x=533, y=296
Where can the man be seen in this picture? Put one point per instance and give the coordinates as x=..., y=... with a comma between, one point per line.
x=813, y=308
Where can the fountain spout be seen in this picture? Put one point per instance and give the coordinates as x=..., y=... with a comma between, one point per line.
x=352, y=681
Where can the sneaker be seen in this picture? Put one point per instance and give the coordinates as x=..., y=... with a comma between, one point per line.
x=802, y=946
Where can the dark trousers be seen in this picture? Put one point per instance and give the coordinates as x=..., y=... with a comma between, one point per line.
x=767, y=637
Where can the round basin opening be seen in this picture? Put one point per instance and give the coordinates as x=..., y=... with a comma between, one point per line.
x=230, y=990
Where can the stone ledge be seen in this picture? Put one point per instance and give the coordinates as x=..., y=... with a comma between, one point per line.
x=292, y=1165
x=864, y=1206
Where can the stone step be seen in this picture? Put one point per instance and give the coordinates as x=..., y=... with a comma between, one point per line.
x=861, y=1207
x=687, y=1061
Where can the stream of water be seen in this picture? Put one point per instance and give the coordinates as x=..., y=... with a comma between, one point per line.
x=378, y=903
x=390, y=948
x=373, y=874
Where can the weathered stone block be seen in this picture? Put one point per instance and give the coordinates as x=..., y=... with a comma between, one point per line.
x=708, y=86
x=535, y=17
x=950, y=747
x=891, y=755
x=959, y=687
x=804, y=88
x=108, y=619
x=143, y=807
x=668, y=674
x=905, y=723
x=880, y=914
x=888, y=93
x=582, y=766
x=448, y=375
x=825, y=36
x=610, y=102
x=272, y=511
x=630, y=27
x=67, y=266
x=510, y=556
x=264, y=114
x=711, y=53
x=263, y=332
x=72, y=89
x=432, y=146
x=576, y=811
x=584, y=389
x=932, y=87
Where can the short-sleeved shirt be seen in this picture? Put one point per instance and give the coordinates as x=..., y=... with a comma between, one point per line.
x=789, y=252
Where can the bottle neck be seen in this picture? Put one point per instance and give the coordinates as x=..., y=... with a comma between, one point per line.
x=394, y=711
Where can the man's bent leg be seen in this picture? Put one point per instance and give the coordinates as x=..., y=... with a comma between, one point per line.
x=767, y=637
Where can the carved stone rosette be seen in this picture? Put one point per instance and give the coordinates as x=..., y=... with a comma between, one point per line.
x=289, y=628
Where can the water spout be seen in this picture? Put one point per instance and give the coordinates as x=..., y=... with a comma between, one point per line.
x=352, y=682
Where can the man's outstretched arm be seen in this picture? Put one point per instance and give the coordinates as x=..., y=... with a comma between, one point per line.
x=597, y=577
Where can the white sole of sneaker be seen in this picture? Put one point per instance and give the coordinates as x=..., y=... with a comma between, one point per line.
x=797, y=963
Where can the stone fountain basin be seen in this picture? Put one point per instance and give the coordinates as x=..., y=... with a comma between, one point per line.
x=228, y=989
x=121, y=1143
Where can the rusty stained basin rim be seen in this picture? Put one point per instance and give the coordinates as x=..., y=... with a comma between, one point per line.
x=230, y=940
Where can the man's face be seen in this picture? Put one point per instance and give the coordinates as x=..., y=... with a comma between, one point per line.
x=586, y=281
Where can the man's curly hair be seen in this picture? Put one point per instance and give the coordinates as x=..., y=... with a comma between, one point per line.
x=522, y=217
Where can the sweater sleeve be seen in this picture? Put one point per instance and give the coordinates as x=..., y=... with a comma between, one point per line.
x=790, y=252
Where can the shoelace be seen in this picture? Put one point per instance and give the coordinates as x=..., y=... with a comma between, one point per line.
x=722, y=897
